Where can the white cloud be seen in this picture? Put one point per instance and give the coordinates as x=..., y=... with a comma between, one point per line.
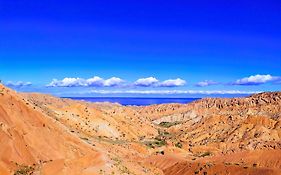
x=18, y=84
x=91, y=82
x=206, y=83
x=172, y=83
x=212, y=92
x=68, y=82
x=146, y=82
x=256, y=80
x=114, y=81
x=153, y=82
x=95, y=81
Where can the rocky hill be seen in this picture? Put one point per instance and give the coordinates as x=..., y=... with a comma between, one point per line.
x=235, y=132
x=36, y=138
x=42, y=134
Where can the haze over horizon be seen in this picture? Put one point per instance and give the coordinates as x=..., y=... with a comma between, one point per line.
x=147, y=48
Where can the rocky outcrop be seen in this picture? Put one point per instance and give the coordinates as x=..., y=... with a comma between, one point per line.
x=42, y=134
x=31, y=142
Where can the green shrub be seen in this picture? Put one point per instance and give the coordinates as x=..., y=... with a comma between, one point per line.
x=24, y=170
x=168, y=124
x=205, y=154
x=160, y=143
x=157, y=143
x=179, y=145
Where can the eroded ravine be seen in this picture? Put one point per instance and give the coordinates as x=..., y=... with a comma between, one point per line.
x=43, y=134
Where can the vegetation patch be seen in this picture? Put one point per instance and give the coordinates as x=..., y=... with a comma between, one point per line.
x=205, y=154
x=24, y=170
x=155, y=143
x=168, y=124
x=179, y=145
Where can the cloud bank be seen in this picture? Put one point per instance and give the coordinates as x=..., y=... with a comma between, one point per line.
x=146, y=82
x=114, y=81
x=18, y=84
x=173, y=83
x=97, y=81
x=206, y=83
x=91, y=82
x=256, y=80
x=153, y=82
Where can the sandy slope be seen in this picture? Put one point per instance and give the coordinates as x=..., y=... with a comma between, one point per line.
x=28, y=137
x=48, y=135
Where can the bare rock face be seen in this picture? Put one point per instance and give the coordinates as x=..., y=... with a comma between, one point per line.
x=236, y=127
x=42, y=134
x=31, y=141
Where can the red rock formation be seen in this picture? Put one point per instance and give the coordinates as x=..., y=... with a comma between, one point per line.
x=42, y=134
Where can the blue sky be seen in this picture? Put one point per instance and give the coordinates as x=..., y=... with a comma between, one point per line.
x=198, y=48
